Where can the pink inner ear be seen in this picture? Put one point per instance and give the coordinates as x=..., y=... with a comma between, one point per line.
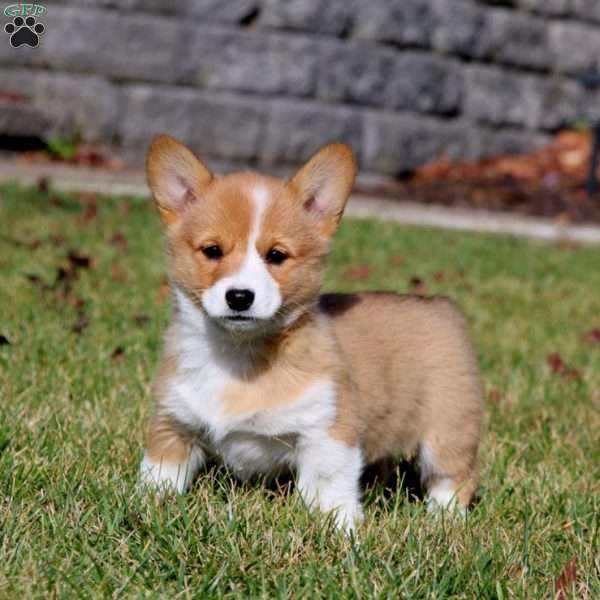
x=188, y=199
x=312, y=206
x=182, y=195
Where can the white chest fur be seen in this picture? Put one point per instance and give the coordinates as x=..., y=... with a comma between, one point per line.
x=255, y=440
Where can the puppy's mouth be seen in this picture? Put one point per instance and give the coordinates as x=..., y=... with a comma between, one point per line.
x=247, y=326
x=239, y=322
x=240, y=318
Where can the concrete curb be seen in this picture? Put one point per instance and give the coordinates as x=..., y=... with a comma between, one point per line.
x=133, y=183
x=410, y=213
x=76, y=179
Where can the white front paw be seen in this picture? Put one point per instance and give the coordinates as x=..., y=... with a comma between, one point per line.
x=347, y=512
x=166, y=477
x=348, y=518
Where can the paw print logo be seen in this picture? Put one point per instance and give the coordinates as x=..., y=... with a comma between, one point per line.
x=24, y=31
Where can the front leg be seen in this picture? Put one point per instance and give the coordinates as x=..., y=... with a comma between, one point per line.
x=328, y=477
x=170, y=461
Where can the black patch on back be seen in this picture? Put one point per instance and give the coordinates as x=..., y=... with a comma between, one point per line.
x=337, y=304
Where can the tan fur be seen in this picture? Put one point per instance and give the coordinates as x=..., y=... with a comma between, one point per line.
x=415, y=379
x=403, y=366
x=168, y=441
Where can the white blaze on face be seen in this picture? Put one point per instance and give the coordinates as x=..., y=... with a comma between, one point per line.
x=252, y=275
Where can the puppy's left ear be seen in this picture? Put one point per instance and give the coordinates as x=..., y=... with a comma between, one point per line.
x=324, y=183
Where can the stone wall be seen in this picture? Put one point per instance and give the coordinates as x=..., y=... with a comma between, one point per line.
x=266, y=82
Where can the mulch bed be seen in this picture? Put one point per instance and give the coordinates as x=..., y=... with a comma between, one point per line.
x=549, y=182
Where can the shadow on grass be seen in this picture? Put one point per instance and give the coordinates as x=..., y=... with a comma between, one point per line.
x=380, y=482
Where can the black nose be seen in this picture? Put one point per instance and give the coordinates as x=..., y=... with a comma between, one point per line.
x=239, y=299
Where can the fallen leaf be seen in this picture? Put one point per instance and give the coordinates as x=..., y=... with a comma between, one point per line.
x=11, y=97
x=556, y=364
x=593, y=336
x=118, y=240
x=117, y=353
x=75, y=301
x=398, y=260
x=558, y=367
x=140, y=319
x=43, y=185
x=359, y=272
x=125, y=208
x=566, y=579
x=417, y=286
x=63, y=275
x=438, y=169
x=88, y=155
x=77, y=260
x=493, y=396
x=572, y=374
x=66, y=276
x=81, y=324
x=439, y=276
x=35, y=280
x=90, y=212
x=64, y=280
x=573, y=159
x=4, y=341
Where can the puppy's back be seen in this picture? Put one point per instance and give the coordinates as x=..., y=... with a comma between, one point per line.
x=413, y=369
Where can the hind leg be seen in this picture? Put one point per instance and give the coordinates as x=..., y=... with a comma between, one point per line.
x=448, y=461
x=450, y=482
x=448, y=448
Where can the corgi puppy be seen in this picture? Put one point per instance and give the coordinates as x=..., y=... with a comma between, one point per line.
x=263, y=373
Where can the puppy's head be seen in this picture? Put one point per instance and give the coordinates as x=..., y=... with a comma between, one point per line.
x=247, y=249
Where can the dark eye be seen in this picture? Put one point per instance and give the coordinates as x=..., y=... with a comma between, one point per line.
x=276, y=257
x=213, y=252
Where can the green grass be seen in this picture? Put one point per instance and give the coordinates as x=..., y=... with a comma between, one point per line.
x=73, y=408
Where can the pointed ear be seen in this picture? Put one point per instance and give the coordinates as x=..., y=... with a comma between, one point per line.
x=176, y=177
x=324, y=183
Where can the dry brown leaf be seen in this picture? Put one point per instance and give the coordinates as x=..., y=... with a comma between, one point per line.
x=398, y=260
x=117, y=353
x=493, y=396
x=418, y=286
x=558, y=367
x=593, y=336
x=566, y=579
x=119, y=240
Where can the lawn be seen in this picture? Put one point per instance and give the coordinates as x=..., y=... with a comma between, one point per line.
x=83, y=302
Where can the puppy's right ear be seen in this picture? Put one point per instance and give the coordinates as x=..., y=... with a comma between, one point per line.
x=176, y=177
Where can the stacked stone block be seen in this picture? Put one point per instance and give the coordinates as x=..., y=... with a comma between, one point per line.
x=266, y=82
